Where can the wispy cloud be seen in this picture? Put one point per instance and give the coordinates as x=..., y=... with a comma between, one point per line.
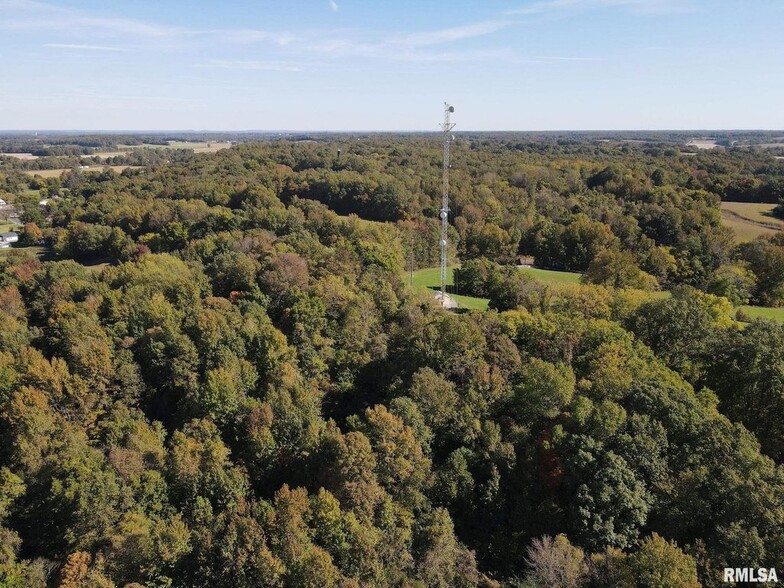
x=428, y=46
x=248, y=65
x=450, y=35
x=69, y=46
x=34, y=15
x=639, y=6
x=280, y=38
x=413, y=46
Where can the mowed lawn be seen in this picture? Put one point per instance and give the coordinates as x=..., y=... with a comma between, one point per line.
x=750, y=220
x=552, y=276
x=764, y=312
x=429, y=279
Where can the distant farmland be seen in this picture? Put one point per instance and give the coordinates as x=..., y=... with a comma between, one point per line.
x=195, y=146
x=56, y=173
x=22, y=156
x=750, y=220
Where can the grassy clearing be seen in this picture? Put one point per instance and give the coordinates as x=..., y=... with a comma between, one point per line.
x=42, y=253
x=764, y=312
x=97, y=268
x=6, y=227
x=429, y=280
x=753, y=211
x=47, y=173
x=750, y=220
x=551, y=276
x=745, y=231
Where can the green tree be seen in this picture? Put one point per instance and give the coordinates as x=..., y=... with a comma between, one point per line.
x=734, y=282
x=659, y=563
x=745, y=367
x=618, y=269
x=402, y=468
x=543, y=391
x=612, y=506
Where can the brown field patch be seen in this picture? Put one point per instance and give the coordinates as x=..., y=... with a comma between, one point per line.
x=56, y=173
x=703, y=143
x=23, y=156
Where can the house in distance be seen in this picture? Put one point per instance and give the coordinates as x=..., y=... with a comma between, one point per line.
x=7, y=238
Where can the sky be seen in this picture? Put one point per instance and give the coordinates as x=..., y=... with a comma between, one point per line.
x=390, y=65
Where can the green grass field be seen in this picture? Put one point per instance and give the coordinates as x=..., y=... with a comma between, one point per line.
x=753, y=211
x=750, y=220
x=764, y=312
x=551, y=276
x=429, y=279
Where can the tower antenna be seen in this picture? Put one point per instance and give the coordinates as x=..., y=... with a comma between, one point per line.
x=446, y=127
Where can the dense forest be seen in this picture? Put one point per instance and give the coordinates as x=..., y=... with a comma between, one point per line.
x=213, y=371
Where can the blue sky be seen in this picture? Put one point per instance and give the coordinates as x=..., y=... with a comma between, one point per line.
x=373, y=65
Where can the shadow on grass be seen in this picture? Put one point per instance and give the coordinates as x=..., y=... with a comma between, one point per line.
x=449, y=289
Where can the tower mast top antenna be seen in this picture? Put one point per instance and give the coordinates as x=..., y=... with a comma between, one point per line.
x=446, y=127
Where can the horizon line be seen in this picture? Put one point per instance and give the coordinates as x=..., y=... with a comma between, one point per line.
x=457, y=131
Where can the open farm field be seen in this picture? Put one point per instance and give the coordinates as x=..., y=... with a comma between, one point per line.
x=56, y=173
x=196, y=146
x=107, y=154
x=23, y=156
x=201, y=147
x=703, y=143
x=750, y=220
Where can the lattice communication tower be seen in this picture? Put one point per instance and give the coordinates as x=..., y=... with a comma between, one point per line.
x=446, y=127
